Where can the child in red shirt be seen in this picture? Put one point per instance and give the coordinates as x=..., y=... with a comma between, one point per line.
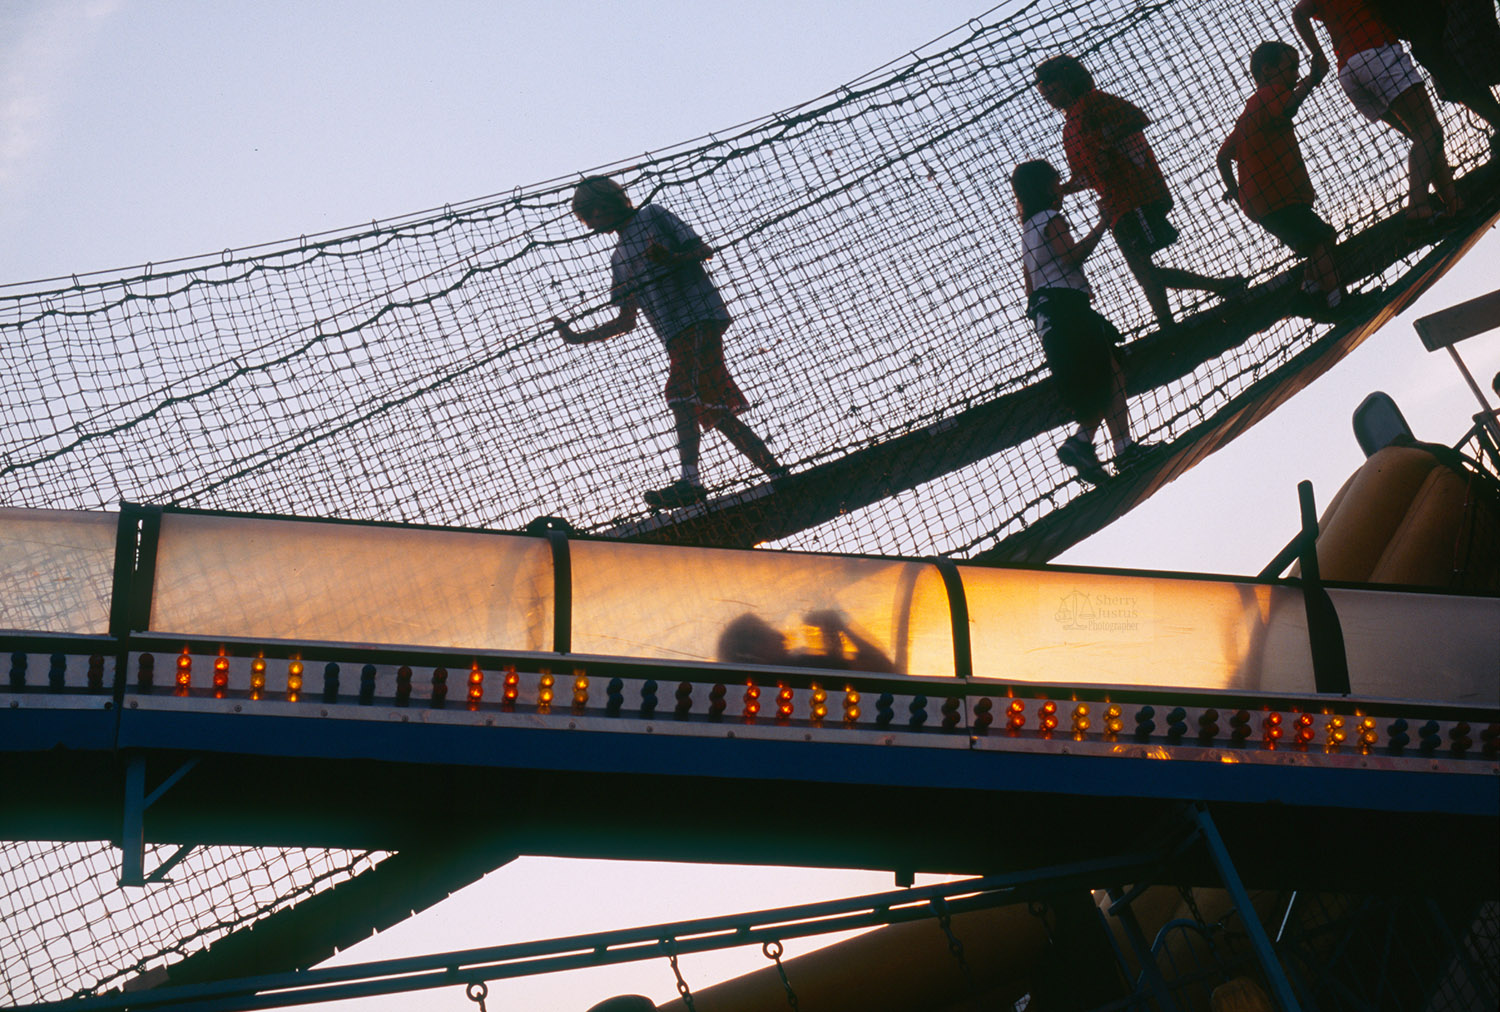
x=1273, y=186
x=1384, y=86
x=1104, y=140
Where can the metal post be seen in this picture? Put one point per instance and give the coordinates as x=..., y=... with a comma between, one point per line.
x=1155, y=982
x=1325, y=637
x=1281, y=988
x=133, y=830
x=958, y=610
x=562, y=590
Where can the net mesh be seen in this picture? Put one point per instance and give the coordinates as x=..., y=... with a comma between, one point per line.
x=68, y=929
x=866, y=245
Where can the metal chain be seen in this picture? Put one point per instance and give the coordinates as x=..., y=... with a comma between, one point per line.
x=1192, y=904
x=1039, y=911
x=477, y=991
x=773, y=951
x=682, y=985
x=945, y=921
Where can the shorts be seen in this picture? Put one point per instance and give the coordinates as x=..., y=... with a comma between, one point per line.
x=1299, y=227
x=1375, y=78
x=1146, y=229
x=1079, y=345
x=698, y=377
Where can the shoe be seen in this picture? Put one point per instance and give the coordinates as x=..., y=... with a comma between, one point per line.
x=680, y=493
x=1135, y=455
x=1080, y=456
x=1236, y=289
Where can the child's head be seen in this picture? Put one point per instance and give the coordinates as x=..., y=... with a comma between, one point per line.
x=1273, y=61
x=601, y=204
x=1062, y=80
x=1035, y=184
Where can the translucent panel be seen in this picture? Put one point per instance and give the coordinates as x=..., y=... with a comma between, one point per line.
x=278, y=579
x=1421, y=646
x=56, y=570
x=1113, y=629
x=699, y=604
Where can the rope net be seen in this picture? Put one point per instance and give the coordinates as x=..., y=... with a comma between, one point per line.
x=868, y=248
x=68, y=929
x=866, y=245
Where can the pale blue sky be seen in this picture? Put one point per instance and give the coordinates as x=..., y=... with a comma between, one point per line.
x=142, y=130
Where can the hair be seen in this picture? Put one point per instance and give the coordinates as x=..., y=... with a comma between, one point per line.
x=1032, y=182
x=1240, y=995
x=1266, y=54
x=1066, y=71
x=601, y=193
x=750, y=639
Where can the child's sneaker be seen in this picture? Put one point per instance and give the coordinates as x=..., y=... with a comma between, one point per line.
x=680, y=493
x=1079, y=454
x=1134, y=455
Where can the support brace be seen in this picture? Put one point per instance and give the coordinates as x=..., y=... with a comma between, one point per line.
x=133, y=830
x=1281, y=988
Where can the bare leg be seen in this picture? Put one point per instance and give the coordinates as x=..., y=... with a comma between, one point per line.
x=1176, y=277
x=1118, y=418
x=751, y=445
x=1146, y=275
x=1482, y=104
x=1413, y=115
x=1322, y=271
x=688, y=441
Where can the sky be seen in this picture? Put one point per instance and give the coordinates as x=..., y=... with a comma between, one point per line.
x=143, y=130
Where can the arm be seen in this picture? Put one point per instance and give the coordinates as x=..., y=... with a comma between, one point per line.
x=1226, y=171
x=1302, y=18
x=834, y=629
x=1304, y=88
x=695, y=252
x=674, y=243
x=1064, y=249
x=621, y=324
x=1110, y=119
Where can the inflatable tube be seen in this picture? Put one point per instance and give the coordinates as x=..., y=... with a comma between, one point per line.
x=1409, y=516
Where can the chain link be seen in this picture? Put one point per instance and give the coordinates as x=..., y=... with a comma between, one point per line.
x=1038, y=910
x=477, y=991
x=1192, y=904
x=945, y=921
x=773, y=951
x=682, y=985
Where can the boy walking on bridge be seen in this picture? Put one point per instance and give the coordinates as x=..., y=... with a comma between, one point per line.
x=658, y=269
x=1104, y=139
x=1273, y=187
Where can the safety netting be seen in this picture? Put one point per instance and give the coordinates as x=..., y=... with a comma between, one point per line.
x=69, y=929
x=866, y=244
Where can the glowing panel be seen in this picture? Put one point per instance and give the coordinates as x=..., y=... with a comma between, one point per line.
x=296, y=580
x=1119, y=629
x=698, y=604
x=56, y=570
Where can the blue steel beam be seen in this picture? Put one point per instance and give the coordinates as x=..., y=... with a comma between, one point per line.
x=606, y=948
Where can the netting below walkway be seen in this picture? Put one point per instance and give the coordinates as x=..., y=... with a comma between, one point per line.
x=68, y=929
